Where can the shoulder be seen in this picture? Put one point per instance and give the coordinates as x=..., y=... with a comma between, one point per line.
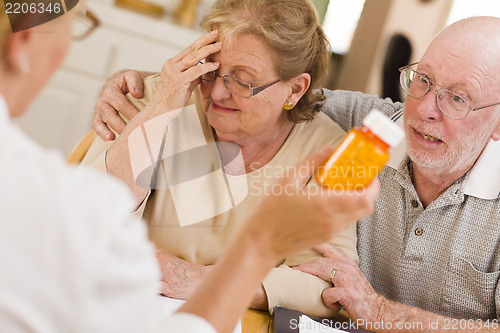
x=41, y=178
x=321, y=129
x=347, y=99
x=307, y=137
x=348, y=108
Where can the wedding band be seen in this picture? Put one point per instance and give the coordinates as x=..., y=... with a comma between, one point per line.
x=332, y=274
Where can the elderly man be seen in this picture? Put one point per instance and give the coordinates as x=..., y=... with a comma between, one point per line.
x=430, y=250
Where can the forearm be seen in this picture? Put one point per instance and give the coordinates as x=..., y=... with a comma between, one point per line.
x=396, y=317
x=119, y=157
x=230, y=287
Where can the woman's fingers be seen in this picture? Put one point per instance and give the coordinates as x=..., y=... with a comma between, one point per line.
x=194, y=58
x=191, y=63
x=175, y=89
x=181, y=74
x=193, y=51
x=195, y=72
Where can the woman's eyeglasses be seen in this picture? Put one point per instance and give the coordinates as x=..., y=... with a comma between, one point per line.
x=85, y=23
x=234, y=85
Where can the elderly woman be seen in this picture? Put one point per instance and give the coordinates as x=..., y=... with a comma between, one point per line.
x=258, y=70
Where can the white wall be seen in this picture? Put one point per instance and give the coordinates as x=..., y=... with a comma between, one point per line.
x=63, y=112
x=418, y=20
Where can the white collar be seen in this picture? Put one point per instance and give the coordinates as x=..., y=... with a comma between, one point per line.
x=5, y=124
x=4, y=110
x=484, y=178
x=4, y=113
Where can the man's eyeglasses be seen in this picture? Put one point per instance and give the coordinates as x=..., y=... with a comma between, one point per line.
x=84, y=24
x=417, y=85
x=236, y=86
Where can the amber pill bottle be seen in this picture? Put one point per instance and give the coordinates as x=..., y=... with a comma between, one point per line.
x=361, y=155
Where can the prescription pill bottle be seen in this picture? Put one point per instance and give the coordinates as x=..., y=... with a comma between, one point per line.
x=361, y=154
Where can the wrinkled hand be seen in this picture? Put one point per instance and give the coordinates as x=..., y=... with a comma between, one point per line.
x=181, y=74
x=297, y=217
x=351, y=288
x=180, y=278
x=112, y=100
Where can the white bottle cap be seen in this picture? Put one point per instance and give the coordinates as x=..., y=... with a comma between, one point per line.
x=383, y=127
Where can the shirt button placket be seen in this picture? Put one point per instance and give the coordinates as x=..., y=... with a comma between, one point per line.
x=417, y=231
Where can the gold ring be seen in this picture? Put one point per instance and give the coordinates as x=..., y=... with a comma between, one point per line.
x=332, y=274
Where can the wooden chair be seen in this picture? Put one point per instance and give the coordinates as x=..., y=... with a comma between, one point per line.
x=81, y=148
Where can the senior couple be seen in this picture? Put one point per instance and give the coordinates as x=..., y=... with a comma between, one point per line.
x=428, y=253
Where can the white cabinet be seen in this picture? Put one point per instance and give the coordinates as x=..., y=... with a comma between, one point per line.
x=62, y=114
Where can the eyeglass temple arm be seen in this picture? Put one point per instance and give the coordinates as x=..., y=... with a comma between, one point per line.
x=404, y=67
x=484, y=107
x=256, y=90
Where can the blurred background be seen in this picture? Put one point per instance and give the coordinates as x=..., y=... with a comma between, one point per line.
x=369, y=40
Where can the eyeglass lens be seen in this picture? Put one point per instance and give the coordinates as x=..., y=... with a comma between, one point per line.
x=418, y=85
x=84, y=25
x=232, y=84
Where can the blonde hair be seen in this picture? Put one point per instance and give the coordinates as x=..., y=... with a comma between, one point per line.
x=291, y=29
x=5, y=29
x=21, y=20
